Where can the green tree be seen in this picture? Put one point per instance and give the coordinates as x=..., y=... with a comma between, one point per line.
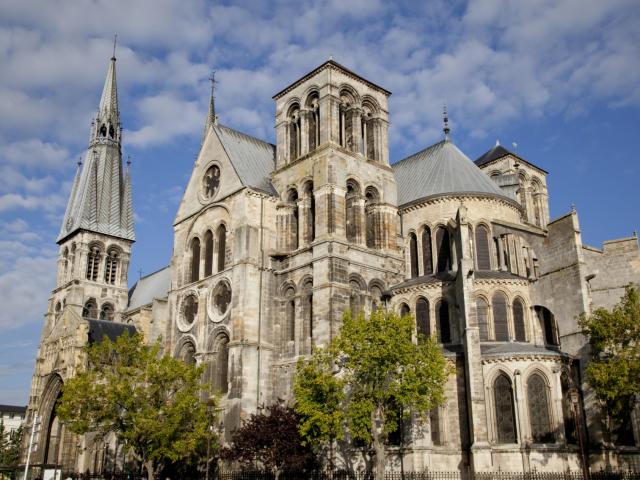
x=614, y=368
x=10, y=442
x=150, y=401
x=367, y=380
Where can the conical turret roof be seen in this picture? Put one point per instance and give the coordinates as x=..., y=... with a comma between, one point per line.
x=439, y=170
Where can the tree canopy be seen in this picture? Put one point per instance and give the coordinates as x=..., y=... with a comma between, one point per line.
x=150, y=401
x=614, y=338
x=368, y=380
x=10, y=442
x=270, y=440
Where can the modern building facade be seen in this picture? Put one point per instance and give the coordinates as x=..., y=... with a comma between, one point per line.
x=272, y=243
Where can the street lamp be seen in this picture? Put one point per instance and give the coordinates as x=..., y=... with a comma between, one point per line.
x=211, y=402
x=574, y=396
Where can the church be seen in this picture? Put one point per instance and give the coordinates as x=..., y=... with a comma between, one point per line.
x=272, y=243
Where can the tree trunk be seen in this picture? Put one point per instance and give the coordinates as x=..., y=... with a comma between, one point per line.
x=150, y=470
x=377, y=431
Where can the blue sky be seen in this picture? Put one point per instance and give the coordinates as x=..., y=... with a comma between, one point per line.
x=559, y=78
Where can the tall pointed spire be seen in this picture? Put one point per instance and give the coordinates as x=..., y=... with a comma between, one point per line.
x=101, y=201
x=212, y=117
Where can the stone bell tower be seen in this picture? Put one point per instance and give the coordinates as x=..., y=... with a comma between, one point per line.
x=336, y=219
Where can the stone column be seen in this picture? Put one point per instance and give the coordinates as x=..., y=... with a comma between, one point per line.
x=358, y=205
x=304, y=131
x=556, y=405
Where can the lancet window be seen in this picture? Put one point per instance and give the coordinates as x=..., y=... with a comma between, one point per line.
x=313, y=127
x=404, y=310
x=290, y=318
x=221, y=234
x=90, y=309
x=195, y=259
x=482, y=316
x=483, y=255
x=310, y=205
x=208, y=253
x=427, y=257
x=111, y=266
x=352, y=217
x=107, y=312
x=518, y=321
x=505, y=413
x=444, y=249
x=295, y=132
x=500, y=324
x=308, y=310
x=443, y=321
x=371, y=218
x=538, y=403
x=218, y=368
x=413, y=254
x=423, y=323
x=93, y=262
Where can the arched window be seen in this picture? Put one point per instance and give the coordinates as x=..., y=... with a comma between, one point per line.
x=550, y=328
x=351, y=211
x=311, y=212
x=518, y=321
x=294, y=132
x=90, y=309
x=93, y=262
x=376, y=298
x=427, y=257
x=442, y=322
x=65, y=264
x=58, y=310
x=313, y=127
x=292, y=200
x=368, y=131
x=220, y=374
x=500, y=325
x=505, y=413
x=482, y=248
x=538, y=409
x=308, y=310
x=106, y=312
x=290, y=326
x=371, y=219
x=413, y=254
x=567, y=410
x=188, y=353
x=444, y=249
x=404, y=310
x=195, y=259
x=221, y=237
x=423, y=324
x=111, y=266
x=72, y=259
x=190, y=309
x=103, y=130
x=355, y=298
x=208, y=253
x=482, y=316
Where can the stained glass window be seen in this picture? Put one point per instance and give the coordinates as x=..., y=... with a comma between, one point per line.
x=538, y=409
x=482, y=315
x=505, y=415
x=427, y=260
x=500, y=327
x=518, y=321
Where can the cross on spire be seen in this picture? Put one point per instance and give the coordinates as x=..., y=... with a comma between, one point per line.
x=446, y=128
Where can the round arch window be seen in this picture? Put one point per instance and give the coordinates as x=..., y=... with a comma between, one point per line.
x=211, y=182
x=220, y=301
x=189, y=312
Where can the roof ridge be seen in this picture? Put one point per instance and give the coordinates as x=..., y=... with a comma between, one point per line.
x=244, y=134
x=410, y=157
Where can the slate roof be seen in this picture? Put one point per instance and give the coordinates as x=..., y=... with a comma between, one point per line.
x=511, y=348
x=98, y=329
x=498, y=152
x=253, y=159
x=155, y=285
x=438, y=170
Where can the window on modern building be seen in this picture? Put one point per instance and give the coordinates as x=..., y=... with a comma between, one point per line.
x=483, y=255
x=111, y=266
x=518, y=321
x=208, y=253
x=500, y=323
x=505, y=413
x=443, y=247
x=413, y=254
x=427, y=257
x=423, y=324
x=482, y=316
x=93, y=262
x=538, y=402
x=221, y=237
x=195, y=260
x=90, y=309
x=443, y=322
x=106, y=312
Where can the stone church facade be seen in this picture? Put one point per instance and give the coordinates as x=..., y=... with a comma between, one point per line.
x=272, y=243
